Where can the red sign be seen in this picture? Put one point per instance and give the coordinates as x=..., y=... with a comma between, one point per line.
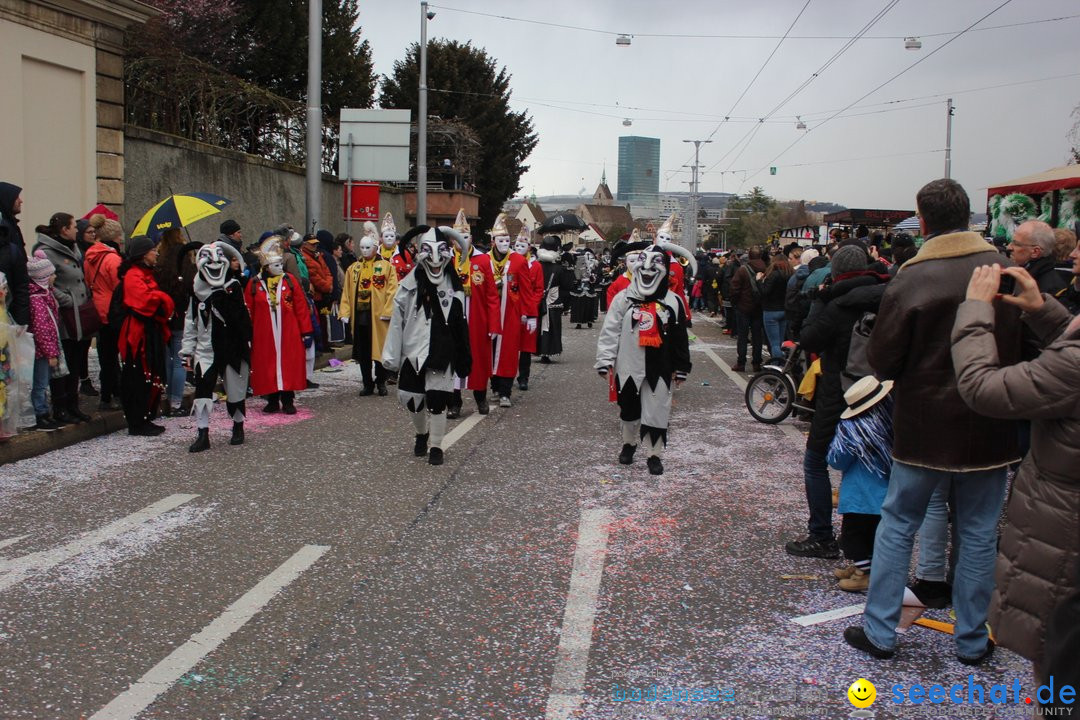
x=365, y=201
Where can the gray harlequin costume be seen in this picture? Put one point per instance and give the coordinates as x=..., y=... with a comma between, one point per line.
x=644, y=341
x=217, y=338
x=428, y=339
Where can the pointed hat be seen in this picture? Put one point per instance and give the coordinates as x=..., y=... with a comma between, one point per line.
x=388, y=223
x=460, y=223
x=635, y=236
x=499, y=228
x=668, y=227
x=370, y=230
x=524, y=234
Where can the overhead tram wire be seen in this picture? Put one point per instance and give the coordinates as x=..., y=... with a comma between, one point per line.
x=921, y=60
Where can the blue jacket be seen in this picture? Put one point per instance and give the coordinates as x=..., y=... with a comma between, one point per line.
x=861, y=490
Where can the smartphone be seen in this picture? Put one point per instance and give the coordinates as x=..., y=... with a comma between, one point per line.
x=1008, y=285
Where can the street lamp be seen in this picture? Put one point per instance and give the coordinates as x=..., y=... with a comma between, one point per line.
x=421, y=122
x=623, y=40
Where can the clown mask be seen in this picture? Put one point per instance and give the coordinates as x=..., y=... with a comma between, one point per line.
x=212, y=264
x=435, y=252
x=650, y=270
x=367, y=247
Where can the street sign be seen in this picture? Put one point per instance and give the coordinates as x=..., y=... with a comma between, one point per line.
x=363, y=203
x=374, y=145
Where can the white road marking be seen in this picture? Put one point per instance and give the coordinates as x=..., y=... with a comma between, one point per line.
x=460, y=429
x=807, y=620
x=180, y=661
x=20, y=568
x=740, y=381
x=572, y=658
x=11, y=541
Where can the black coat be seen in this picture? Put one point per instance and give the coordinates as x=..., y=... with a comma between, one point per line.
x=13, y=256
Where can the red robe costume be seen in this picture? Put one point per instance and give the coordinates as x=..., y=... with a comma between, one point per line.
x=278, y=359
x=536, y=282
x=620, y=284
x=482, y=312
x=402, y=261
x=515, y=299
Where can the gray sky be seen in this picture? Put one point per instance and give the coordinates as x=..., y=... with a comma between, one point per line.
x=578, y=86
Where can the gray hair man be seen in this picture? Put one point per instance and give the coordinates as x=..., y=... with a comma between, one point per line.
x=1032, y=248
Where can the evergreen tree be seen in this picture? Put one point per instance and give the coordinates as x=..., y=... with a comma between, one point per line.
x=466, y=85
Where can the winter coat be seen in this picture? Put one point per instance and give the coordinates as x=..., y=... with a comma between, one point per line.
x=796, y=305
x=933, y=426
x=482, y=313
x=70, y=286
x=741, y=295
x=13, y=256
x=773, y=289
x=828, y=333
x=146, y=304
x=100, y=266
x=44, y=322
x=1038, y=553
x=322, y=284
x=1047, y=276
x=175, y=276
x=861, y=490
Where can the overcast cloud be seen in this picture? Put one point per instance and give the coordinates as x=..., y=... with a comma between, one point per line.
x=998, y=134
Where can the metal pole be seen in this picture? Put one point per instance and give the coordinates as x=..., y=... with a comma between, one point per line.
x=314, y=117
x=694, y=192
x=421, y=124
x=948, y=138
x=348, y=190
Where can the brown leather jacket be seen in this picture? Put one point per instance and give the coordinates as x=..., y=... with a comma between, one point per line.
x=934, y=427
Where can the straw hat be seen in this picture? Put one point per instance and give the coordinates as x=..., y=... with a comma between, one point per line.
x=864, y=394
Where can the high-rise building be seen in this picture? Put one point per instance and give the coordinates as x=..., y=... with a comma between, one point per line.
x=639, y=170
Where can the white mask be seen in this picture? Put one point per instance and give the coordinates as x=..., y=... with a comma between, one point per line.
x=434, y=255
x=633, y=260
x=212, y=264
x=275, y=268
x=502, y=244
x=389, y=238
x=521, y=247
x=663, y=237
x=648, y=273
x=367, y=247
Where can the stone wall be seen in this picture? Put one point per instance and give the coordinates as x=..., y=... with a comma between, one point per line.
x=264, y=193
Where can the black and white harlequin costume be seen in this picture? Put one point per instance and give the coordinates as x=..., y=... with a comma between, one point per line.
x=644, y=342
x=217, y=340
x=428, y=339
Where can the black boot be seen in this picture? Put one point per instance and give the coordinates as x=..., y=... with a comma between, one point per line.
x=655, y=466
x=381, y=387
x=435, y=456
x=367, y=390
x=202, y=441
x=44, y=423
x=453, y=412
x=62, y=417
x=420, y=448
x=288, y=408
x=273, y=405
x=237, y=434
x=627, y=455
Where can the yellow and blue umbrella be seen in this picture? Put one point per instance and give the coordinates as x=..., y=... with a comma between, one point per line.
x=178, y=211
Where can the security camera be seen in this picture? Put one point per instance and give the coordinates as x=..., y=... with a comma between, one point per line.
x=430, y=14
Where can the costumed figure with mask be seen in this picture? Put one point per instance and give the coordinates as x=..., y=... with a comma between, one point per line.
x=394, y=252
x=607, y=276
x=428, y=342
x=583, y=305
x=217, y=338
x=367, y=302
x=665, y=238
x=644, y=351
x=473, y=269
x=530, y=334
x=515, y=303
x=143, y=334
x=554, y=297
x=281, y=330
x=628, y=252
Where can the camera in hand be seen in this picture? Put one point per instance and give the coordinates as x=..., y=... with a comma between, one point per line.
x=1008, y=285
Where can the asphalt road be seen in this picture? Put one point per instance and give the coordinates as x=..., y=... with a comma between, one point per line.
x=320, y=571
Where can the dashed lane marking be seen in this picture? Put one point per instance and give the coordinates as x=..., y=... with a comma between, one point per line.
x=460, y=429
x=11, y=541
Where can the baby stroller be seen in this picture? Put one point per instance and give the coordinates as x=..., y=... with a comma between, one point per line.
x=771, y=394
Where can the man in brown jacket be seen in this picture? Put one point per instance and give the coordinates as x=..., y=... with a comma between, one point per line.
x=938, y=438
x=746, y=295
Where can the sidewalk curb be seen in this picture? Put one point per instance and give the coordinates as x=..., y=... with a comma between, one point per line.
x=31, y=443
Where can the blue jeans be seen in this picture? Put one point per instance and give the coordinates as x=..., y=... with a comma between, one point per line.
x=818, y=494
x=775, y=324
x=934, y=537
x=977, y=499
x=174, y=370
x=41, y=384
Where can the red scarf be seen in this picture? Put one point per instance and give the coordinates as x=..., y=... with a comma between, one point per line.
x=648, y=325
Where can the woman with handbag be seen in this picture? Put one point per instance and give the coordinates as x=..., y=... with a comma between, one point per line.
x=80, y=319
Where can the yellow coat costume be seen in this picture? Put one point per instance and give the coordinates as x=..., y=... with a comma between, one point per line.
x=371, y=281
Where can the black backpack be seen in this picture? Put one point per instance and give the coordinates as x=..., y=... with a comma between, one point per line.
x=118, y=311
x=858, y=366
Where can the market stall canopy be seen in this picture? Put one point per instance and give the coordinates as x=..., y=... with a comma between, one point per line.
x=867, y=217
x=1059, y=178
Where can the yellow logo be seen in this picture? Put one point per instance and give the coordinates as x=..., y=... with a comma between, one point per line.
x=163, y=226
x=862, y=693
x=478, y=278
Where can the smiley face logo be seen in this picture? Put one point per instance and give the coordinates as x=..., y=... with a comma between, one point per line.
x=862, y=693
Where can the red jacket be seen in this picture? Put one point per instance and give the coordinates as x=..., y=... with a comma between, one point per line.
x=281, y=364
x=142, y=297
x=100, y=270
x=536, y=293
x=322, y=282
x=515, y=299
x=482, y=312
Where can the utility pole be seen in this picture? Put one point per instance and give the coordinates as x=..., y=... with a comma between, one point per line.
x=691, y=241
x=949, y=109
x=421, y=122
x=314, y=117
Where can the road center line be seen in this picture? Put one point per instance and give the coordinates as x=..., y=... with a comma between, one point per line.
x=11, y=541
x=180, y=661
x=572, y=657
x=20, y=568
x=460, y=429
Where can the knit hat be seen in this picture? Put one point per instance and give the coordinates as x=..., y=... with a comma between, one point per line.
x=326, y=240
x=807, y=255
x=229, y=227
x=40, y=268
x=849, y=259
x=139, y=246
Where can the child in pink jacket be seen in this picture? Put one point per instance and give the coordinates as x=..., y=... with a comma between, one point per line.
x=44, y=324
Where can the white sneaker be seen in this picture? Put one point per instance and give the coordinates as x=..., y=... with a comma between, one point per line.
x=504, y=402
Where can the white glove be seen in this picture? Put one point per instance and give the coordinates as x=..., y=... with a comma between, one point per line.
x=530, y=325
x=344, y=320
x=524, y=318
x=493, y=335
